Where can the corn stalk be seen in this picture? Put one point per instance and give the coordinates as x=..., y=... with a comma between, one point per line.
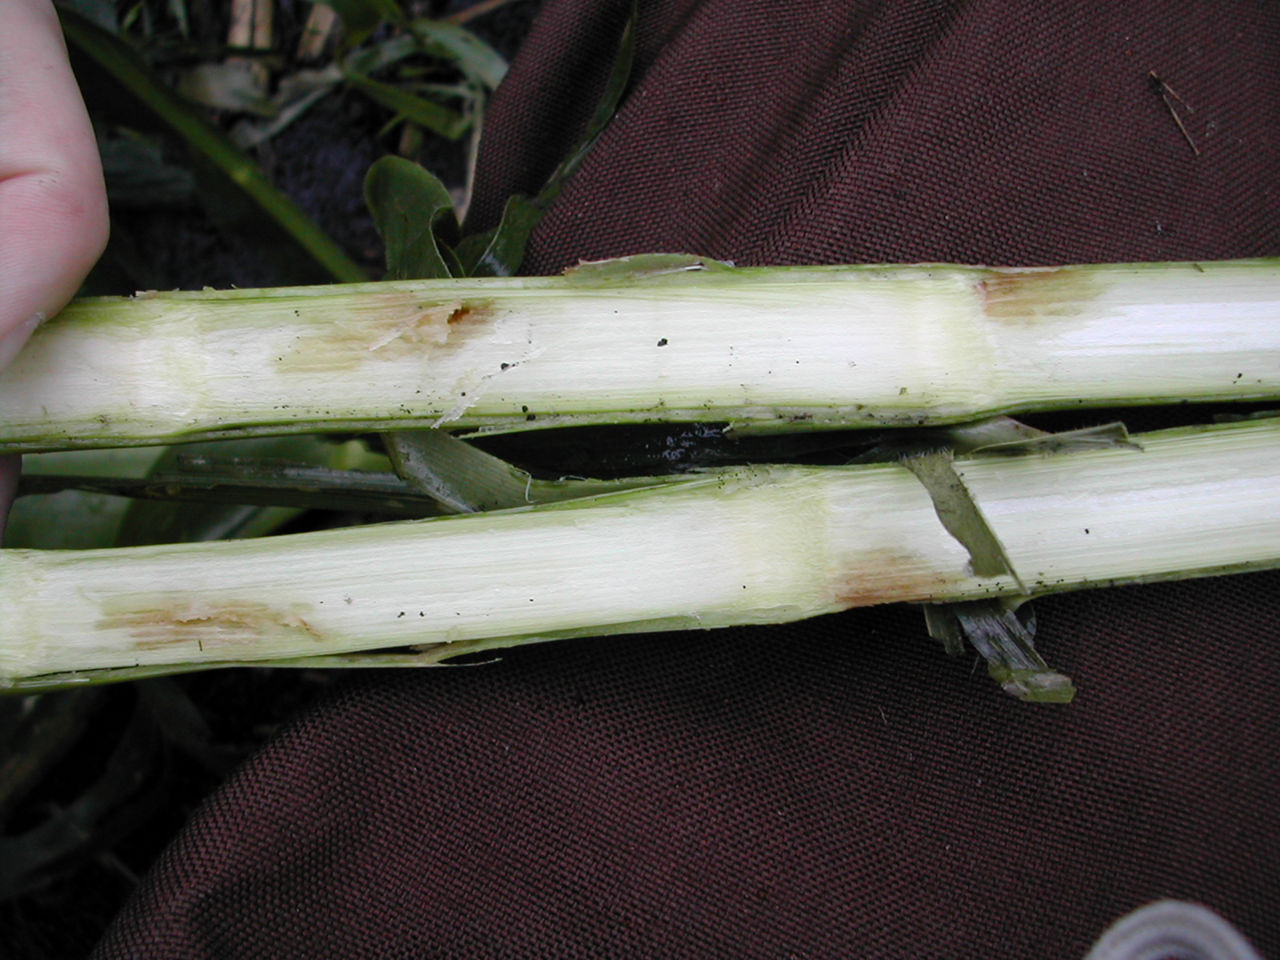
x=653, y=339
x=749, y=545
x=671, y=340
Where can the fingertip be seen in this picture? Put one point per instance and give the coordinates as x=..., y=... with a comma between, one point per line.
x=11, y=343
x=54, y=228
x=53, y=205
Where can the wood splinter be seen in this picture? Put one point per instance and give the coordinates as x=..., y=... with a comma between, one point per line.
x=1168, y=96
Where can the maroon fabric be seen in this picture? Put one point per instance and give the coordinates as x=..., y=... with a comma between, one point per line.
x=833, y=788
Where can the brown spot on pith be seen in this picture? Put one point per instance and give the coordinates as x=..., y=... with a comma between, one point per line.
x=1034, y=293
x=896, y=578
x=210, y=625
x=467, y=313
x=390, y=327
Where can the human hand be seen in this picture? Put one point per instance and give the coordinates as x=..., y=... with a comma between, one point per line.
x=53, y=206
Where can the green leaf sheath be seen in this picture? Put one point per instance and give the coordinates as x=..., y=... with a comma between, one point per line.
x=610, y=99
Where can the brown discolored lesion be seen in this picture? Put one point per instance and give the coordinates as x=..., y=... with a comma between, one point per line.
x=1027, y=294
x=391, y=326
x=210, y=624
x=468, y=314
x=894, y=578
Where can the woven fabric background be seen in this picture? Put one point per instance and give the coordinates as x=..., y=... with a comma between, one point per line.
x=836, y=788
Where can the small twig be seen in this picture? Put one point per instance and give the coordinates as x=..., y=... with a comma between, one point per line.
x=475, y=10
x=118, y=866
x=251, y=30
x=322, y=24
x=250, y=25
x=1168, y=96
x=473, y=153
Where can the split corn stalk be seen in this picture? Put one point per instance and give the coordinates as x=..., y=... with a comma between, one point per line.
x=761, y=348
x=744, y=545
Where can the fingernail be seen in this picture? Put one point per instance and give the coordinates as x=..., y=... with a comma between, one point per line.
x=15, y=339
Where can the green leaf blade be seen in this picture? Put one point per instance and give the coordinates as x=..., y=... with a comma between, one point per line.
x=499, y=252
x=425, y=113
x=475, y=58
x=409, y=207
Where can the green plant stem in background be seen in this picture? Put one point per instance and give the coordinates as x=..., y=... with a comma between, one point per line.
x=119, y=60
x=654, y=339
x=745, y=545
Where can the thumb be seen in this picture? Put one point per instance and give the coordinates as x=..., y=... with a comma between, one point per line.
x=53, y=211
